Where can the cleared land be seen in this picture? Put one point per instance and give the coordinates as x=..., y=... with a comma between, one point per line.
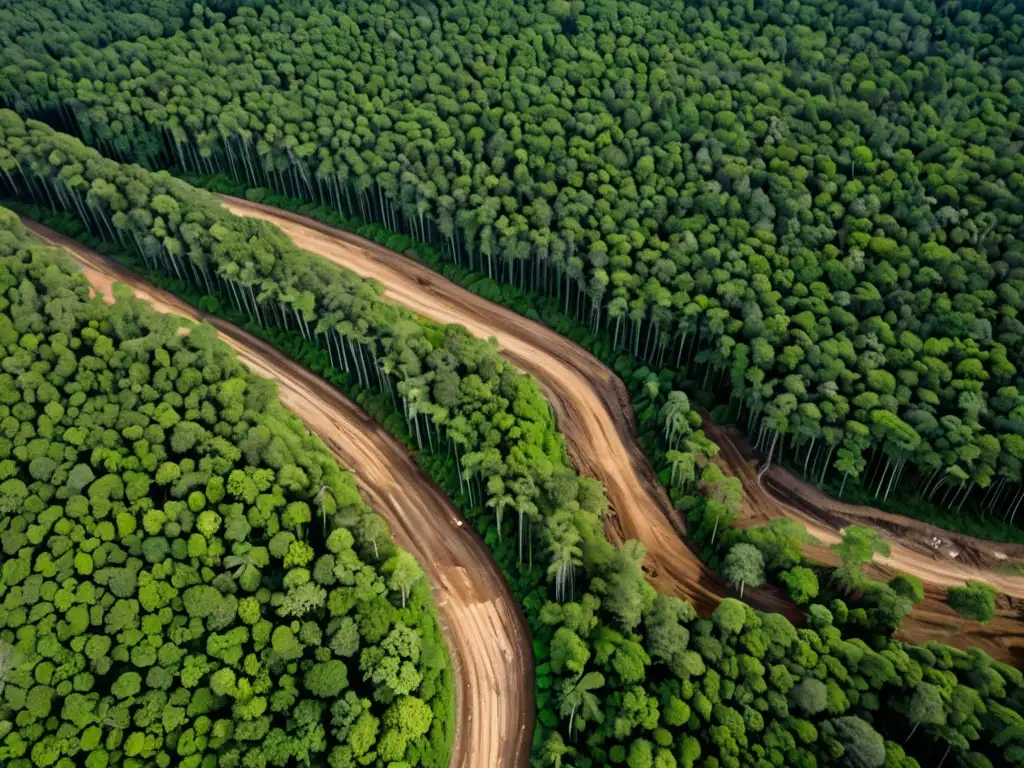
x=594, y=413
x=485, y=631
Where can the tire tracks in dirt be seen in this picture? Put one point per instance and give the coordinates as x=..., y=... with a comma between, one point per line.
x=485, y=631
x=595, y=415
x=584, y=393
x=783, y=494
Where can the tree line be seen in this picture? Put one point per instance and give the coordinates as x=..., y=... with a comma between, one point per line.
x=626, y=676
x=681, y=454
x=188, y=578
x=816, y=205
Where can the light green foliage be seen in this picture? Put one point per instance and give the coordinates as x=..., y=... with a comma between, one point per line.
x=744, y=565
x=859, y=545
x=327, y=679
x=909, y=586
x=839, y=247
x=729, y=185
x=802, y=583
x=730, y=616
x=143, y=621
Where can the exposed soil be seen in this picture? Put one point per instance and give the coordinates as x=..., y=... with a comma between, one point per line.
x=966, y=555
x=591, y=403
x=486, y=633
x=937, y=556
x=594, y=413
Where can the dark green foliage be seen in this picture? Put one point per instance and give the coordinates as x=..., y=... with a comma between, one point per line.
x=815, y=207
x=732, y=673
x=136, y=630
x=862, y=747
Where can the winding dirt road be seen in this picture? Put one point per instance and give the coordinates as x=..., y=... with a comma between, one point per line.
x=595, y=415
x=937, y=556
x=583, y=392
x=486, y=633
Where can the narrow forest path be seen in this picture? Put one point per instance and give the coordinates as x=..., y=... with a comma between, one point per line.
x=485, y=631
x=595, y=415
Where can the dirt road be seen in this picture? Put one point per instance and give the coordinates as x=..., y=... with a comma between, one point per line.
x=591, y=403
x=485, y=631
x=594, y=413
x=937, y=556
x=940, y=558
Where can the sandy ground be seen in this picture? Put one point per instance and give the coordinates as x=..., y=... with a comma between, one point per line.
x=591, y=403
x=485, y=631
x=594, y=413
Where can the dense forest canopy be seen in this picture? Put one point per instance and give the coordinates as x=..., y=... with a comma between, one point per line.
x=34, y=33
x=186, y=571
x=625, y=675
x=818, y=202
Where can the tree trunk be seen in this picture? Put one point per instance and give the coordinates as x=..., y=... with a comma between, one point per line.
x=807, y=458
x=824, y=469
x=912, y=731
x=892, y=479
x=768, y=463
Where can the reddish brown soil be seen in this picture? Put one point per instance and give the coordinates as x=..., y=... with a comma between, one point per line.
x=591, y=403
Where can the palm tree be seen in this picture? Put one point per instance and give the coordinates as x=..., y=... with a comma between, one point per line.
x=322, y=506
x=777, y=423
x=528, y=510
x=499, y=501
x=674, y=415
x=480, y=464
x=564, y=544
x=373, y=528
x=578, y=697
x=850, y=462
x=413, y=399
x=555, y=749
x=683, y=468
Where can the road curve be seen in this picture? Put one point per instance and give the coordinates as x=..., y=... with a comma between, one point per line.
x=592, y=404
x=957, y=558
x=486, y=633
x=784, y=494
x=596, y=417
